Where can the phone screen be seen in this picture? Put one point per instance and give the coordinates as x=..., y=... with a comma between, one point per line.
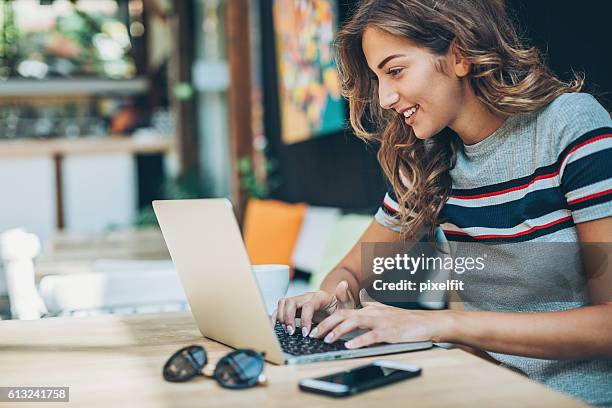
x=360, y=377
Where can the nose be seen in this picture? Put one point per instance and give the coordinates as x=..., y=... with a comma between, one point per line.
x=387, y=96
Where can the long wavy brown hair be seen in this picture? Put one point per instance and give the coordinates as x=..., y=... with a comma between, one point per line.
x=506, y=76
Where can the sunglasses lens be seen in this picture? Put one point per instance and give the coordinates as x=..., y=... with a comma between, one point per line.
x=185, y=364
x=239, y=369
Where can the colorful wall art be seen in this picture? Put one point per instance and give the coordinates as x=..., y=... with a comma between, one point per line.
x=309, y=88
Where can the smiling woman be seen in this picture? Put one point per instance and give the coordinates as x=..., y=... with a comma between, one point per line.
x=479, y=138
x=453, y=75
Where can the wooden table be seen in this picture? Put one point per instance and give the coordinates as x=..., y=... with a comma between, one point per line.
x=115, y=361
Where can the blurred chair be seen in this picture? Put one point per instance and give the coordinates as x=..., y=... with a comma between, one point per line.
x=17, y=251
x=271, y=230
x=343, y=236
x=311, y=241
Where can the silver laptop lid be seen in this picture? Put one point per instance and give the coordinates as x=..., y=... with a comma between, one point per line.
x=206, y=247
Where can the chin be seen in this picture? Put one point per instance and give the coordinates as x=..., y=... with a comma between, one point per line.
x=422, y=134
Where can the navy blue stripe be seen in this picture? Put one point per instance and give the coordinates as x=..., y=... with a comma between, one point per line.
x=591, y=202
x=507, y=215
x=589, y=135
x=492, y=188
x=521, y=238
x=389, y=212
x=587, y=170
x=392, y=194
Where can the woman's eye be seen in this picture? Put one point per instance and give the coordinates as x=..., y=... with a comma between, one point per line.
x=394, y=71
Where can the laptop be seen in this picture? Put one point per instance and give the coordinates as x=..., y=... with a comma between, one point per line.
x=206, y=246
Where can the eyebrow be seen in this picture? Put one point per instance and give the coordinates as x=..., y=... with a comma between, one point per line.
x=389, y=58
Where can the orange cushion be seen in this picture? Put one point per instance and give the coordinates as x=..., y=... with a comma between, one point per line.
x=271, y=229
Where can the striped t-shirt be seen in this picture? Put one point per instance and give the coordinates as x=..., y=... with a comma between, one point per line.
x=533, y=180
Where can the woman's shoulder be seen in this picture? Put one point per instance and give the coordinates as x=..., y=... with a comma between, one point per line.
x=576, y=108
x=572, y=117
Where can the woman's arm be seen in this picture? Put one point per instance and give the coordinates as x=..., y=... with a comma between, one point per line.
x=583, y=333
x=579, y=333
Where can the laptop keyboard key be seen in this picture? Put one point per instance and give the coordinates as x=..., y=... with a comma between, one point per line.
x=299, y=345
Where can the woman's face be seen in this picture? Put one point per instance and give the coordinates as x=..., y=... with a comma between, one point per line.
x=408, y=82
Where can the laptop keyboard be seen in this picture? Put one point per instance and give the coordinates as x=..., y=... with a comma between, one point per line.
x=299, y=345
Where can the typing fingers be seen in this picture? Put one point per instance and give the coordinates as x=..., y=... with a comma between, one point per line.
x=289, y=315
x=330, y=322
x=354, y=321
x=306, y=317
x=366, y=339
x=280, y=312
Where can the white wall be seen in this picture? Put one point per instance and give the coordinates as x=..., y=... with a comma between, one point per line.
x=99, y=191
x=28, y=195
x=27, y=198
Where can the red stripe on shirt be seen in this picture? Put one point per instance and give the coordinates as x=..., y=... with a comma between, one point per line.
x=590, y=196
x=508, y=190
x=586, y=142
x=544, y=176
x=388, y=207
x=518, y=234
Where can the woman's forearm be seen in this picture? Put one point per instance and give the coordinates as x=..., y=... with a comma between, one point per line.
x=583, y=333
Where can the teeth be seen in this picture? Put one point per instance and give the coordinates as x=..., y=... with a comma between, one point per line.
x=410, y=111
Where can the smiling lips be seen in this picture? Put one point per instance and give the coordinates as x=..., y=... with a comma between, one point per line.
x=410, y=111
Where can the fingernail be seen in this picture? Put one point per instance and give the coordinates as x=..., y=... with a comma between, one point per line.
x=313, y=333
x=329, y=338
x=290, y=330
x=349, y=344
x=304, y=331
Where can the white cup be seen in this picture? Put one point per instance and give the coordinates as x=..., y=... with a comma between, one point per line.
x=273, y=281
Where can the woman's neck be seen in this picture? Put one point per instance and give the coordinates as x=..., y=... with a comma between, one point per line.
x=475, y=122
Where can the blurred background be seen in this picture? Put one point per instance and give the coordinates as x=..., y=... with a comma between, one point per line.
x=106, y=105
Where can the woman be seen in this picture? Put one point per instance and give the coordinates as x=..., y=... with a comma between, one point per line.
x=527, y=161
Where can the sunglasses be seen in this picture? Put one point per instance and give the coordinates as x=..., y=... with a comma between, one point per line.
x=242, y=368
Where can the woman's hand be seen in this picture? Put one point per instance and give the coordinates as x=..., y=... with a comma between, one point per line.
x=317, y=305
x=387, y=324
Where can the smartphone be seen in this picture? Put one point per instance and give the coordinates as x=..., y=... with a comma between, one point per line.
x=361, y=378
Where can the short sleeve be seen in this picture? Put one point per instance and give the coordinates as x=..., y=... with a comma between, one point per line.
x=388, y=213
x=585, y=162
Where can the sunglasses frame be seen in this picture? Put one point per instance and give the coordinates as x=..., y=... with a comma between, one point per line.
x=199, y=371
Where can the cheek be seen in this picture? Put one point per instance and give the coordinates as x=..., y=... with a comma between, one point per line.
x=444, y=94
x=441, y=102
